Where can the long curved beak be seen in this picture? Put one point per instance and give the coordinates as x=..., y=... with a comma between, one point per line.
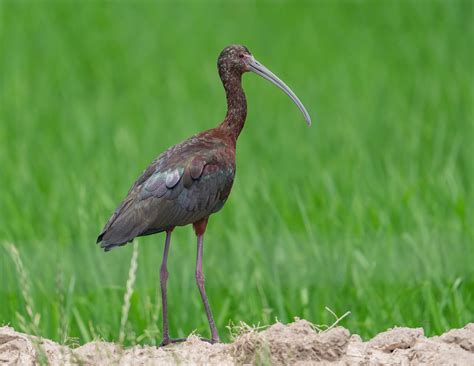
x=261, y=70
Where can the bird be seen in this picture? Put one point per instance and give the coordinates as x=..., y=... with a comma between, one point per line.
x=191, y=180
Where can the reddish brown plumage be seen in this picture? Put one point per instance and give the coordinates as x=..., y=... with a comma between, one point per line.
x=200, y=226
x=191, y=180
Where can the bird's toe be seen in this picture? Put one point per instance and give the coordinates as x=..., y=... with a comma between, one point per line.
x=164, y=342
x=167, y=341
x=211, y=341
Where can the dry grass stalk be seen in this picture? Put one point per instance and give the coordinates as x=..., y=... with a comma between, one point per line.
x=129, y=291
x=63, y=321
x=25, y=292
x=31, y=327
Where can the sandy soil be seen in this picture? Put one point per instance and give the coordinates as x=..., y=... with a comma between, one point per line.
x=297, y=343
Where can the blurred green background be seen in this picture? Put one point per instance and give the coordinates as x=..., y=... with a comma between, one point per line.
x=370, y=211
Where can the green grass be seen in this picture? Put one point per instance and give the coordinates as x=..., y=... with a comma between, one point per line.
x=371, y=210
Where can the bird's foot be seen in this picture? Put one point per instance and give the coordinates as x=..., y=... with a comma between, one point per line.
x=211, y=341
x=167, y=341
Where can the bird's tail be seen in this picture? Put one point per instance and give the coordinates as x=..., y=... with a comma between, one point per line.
x=118, y=231
x=108, y=245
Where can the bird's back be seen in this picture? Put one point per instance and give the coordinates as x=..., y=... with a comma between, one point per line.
x=186, y=183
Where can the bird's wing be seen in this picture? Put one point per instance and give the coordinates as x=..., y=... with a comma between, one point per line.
x=183, y=185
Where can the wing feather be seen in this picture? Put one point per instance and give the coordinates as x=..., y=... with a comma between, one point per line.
x=180, y=187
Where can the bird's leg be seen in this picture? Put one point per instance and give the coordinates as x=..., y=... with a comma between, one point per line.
x=164, y=299
x=200, y=228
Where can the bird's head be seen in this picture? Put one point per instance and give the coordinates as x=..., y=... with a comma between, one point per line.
x=235, y=60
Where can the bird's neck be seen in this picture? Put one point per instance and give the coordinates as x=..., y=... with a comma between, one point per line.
x=236, y=107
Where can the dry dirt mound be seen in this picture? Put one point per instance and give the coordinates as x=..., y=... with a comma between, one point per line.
x=296, y=343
